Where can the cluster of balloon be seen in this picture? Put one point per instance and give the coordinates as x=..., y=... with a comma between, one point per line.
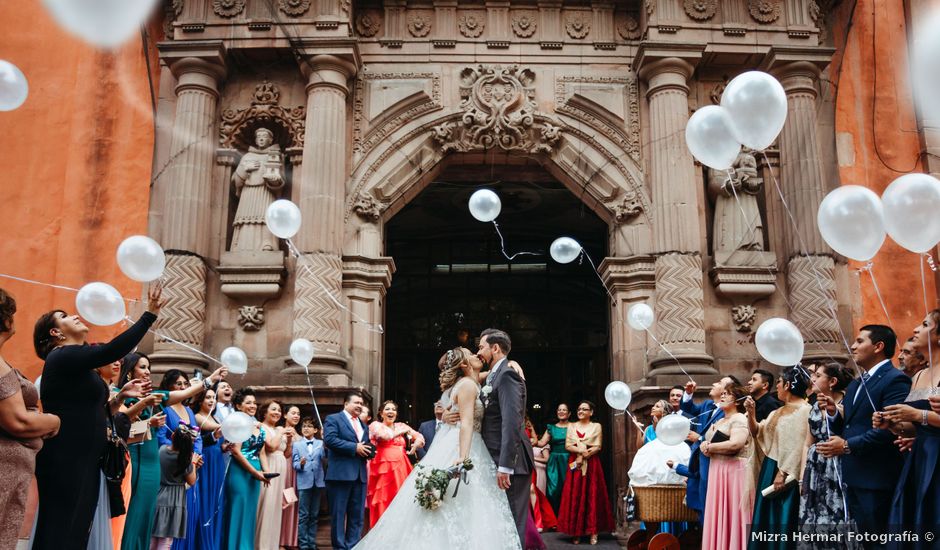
x=565, y=250
x=283, y=218
x=13, y=86
x=851, y=221
x=911, y=204
x=485, y=205
x=100, y=304
x=640, y=316
x=101, y=23
x=618, y=395
x=237, y=427
x=141, y=258
x=780, y=342
x=235, y=360
x=673, y=429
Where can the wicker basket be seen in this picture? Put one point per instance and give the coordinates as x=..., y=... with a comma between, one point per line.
x=662, y=503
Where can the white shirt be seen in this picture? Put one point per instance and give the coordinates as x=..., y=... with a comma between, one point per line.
x=356, y=424
x=871, y=372
x=223, y=410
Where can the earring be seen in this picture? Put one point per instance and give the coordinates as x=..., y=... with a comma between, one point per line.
x=61, y=337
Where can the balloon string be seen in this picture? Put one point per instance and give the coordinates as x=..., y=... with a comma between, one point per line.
x=60, y=287
x=584, y=254
x=316, y=411
x=177, y=342
x=218, y=500
x=301, y=260
x=502, y=244
x=710, y=411
x=653, y=336
x=869, y=267
x=923, y=285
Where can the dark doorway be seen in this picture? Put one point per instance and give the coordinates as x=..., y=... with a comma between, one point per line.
x=451, y=276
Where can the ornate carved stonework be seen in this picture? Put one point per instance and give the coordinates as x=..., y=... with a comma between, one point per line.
x=228, y=8
x=364, y=143
x=765, y=11
x=578, y=24
x=368, y=23
x=701, y=10
x=172, y=9
x=627, y=209
x=743, y=317
x=680, y=299
x=184, y=315
x=499, y=110
x=251, y=318
x=471, y=24
x=812, y=289
x=650, y=7
x=629, y=28
x=524, y=23
x=316, y=316
x=344, y=5
x=419, y=24
x=715, y=94
x=293, y=8
x=737, y=223
x=236, y=130
x=629, y=141
x=367, y=207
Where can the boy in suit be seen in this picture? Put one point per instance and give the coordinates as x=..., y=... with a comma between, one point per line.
x=308, y=456
x=346, y=438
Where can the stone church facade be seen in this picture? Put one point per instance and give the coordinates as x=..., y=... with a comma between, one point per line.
x=366, y=102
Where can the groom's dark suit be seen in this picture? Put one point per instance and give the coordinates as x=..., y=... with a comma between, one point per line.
x=503, y=433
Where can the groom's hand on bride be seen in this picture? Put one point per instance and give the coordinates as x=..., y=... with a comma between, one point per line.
x=503, y=480
x=451, y=417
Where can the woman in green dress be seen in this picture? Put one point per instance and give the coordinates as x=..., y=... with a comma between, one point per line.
x=557, y=465
x=244, y=479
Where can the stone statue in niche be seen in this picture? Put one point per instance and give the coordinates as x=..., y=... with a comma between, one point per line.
x=737, y=224
x=257, y=179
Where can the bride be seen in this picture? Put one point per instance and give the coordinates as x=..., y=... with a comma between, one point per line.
x=478, y=518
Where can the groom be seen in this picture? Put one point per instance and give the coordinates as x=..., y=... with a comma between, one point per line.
x=503, y=398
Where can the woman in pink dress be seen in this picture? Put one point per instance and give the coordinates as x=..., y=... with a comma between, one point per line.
x=731, y=477
x=390, y=467
x=289, y=514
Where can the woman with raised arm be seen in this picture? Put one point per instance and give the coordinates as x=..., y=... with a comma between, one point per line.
x=391, y=466
x=244, y=480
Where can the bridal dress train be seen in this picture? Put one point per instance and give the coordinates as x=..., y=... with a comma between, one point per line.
x=478, y=518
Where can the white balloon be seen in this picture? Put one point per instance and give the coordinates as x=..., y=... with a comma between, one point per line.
x=565, y=250
x=100, y=304
x=640, y=316
x=13, y=86
x=235, y=360
x=757, y=105
x=780, y=342
x=710, y=137
x=485, y=205
x=673, y=429
x=38, y=384
x=301, y=351
x=102, y=23
x=141, y=258
x=925, y=65
x=911, y=208
x=283, y=218
x=237, y=427
x=851, y=221
x=618, y=395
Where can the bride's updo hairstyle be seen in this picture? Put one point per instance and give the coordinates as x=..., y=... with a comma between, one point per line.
x=451, y=367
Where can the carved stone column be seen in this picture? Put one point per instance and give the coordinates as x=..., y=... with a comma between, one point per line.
x=811, y=269
x=680, y=297
x=186, y=211
x=322, y=193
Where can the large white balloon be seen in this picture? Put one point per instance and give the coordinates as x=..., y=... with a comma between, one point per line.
x=235, y=360
x=141, y=258
x=100, y=304
x=640, y=316
x=13, y=86
x=710, y=137
x=301, y=351
x=911, y=208
x=851, y=220
x=485, y=205
x=780, y=342
x=925, y=65
x=102, y=23
x=283, y=218
x=618, y=395
x=673, y=429
x=757, y=105
x=237, y=427
x=564, y=250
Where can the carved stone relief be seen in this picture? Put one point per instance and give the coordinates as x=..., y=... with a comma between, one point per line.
x=578, y=24
x=765, y=11
x=629, y=28
x=737, y=224
x=419, y=24
x=251, y=318
x=524, y=23
x=257, y=179
x=367, y=207
x=237, y=125
x=499, y=110
x=228, y=8
x=294, y=8
x=629, y=141
x=471, y=24
x=650, y=7
x=364, y=142
x=172, y=9
x=743, y=317
x=715, y=94
x=368, y=23
x=701, y=10
x=627, y=209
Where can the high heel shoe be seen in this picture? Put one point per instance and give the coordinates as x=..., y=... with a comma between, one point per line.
x=593, y=540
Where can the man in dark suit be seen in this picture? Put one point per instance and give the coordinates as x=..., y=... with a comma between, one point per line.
x=761, y=388
x=346, y=438
x=428, y=428
x=503, y=432
x=871, y=463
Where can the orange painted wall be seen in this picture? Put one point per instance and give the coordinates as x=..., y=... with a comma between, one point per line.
x=76, y=165
x=873, y=70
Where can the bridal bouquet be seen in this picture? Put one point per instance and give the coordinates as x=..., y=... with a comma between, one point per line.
x=431, y=483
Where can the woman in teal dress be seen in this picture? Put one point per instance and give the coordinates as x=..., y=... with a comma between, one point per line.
x=557, y=466
x=243, y=483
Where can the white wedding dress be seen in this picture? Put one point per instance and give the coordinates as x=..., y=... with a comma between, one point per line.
x=478, y=518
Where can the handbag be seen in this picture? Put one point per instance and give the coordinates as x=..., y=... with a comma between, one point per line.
x=114, y=459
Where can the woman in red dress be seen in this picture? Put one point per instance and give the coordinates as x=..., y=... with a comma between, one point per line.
x=390, y=467
x=542, y=512
x=585, y=509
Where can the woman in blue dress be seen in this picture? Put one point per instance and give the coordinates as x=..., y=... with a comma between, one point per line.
x=211, y=476
x=244, y=479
